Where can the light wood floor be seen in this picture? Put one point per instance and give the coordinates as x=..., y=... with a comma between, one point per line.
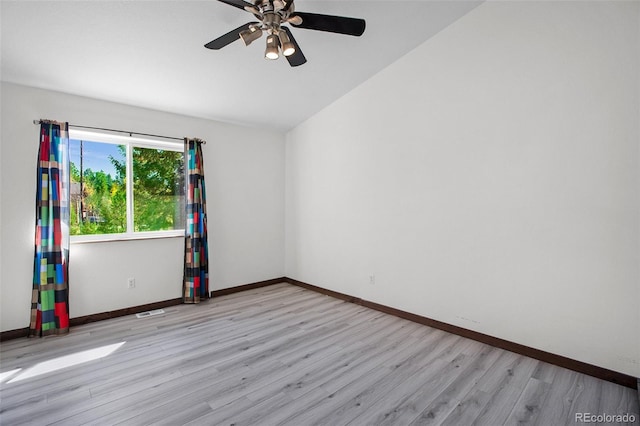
x=286, y=355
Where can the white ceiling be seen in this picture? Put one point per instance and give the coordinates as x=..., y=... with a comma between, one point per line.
x=150, y=54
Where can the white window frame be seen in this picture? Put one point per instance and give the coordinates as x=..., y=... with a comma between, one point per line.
x=129, y=142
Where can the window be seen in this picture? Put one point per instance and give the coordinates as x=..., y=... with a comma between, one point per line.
x=125, y=187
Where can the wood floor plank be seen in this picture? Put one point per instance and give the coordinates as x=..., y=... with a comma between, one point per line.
x=468, y=409
x=587, y=396
x=614, y=398
x=438, y=364
x=346, y=402
x=556, y=408
x=286, y=355
x=340, y=366
x=224, y=394
x=505, y=382
x=254, y=414
x=328, y=354
x=398, y=375
x=440, y=408
x=409, y=405
x=528, y=406
x=174, y=417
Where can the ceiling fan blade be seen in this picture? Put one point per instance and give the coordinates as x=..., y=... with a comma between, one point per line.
x=287, y=4
x=297, y=58
x=229, y=37
x=238, y=3
x=330, y=23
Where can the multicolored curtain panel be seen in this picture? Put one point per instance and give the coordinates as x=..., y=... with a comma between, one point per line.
x=50, y=296
x=196, y=252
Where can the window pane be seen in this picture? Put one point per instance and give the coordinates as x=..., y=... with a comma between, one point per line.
x=98, y=188
x=158, y=189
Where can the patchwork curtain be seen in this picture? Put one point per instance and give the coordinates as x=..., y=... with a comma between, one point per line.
x=196, y=261
x=50, y=295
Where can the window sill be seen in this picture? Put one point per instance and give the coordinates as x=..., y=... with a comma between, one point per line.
x=104, y=238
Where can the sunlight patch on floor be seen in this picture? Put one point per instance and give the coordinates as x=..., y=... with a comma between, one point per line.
x=8, y=374
x=65, y=361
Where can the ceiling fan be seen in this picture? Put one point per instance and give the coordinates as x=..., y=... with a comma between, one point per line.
x=271, y=15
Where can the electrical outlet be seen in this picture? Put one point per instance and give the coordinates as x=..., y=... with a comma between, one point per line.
x=131, y=282
x=372, y=279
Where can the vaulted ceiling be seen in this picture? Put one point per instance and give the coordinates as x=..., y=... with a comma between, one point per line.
x=150, y=54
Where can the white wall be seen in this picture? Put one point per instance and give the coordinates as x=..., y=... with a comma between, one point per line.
x=488, y=179
x=245, y=205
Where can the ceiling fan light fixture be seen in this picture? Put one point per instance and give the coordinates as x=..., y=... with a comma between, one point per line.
x=271, y=16
x=272, y=47
x=295, y=20
x=250, y=35
x=288, y=48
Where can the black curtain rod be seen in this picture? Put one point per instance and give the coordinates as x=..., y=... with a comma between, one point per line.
x=122, y=131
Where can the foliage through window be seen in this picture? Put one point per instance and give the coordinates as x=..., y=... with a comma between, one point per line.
x=106, y=200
